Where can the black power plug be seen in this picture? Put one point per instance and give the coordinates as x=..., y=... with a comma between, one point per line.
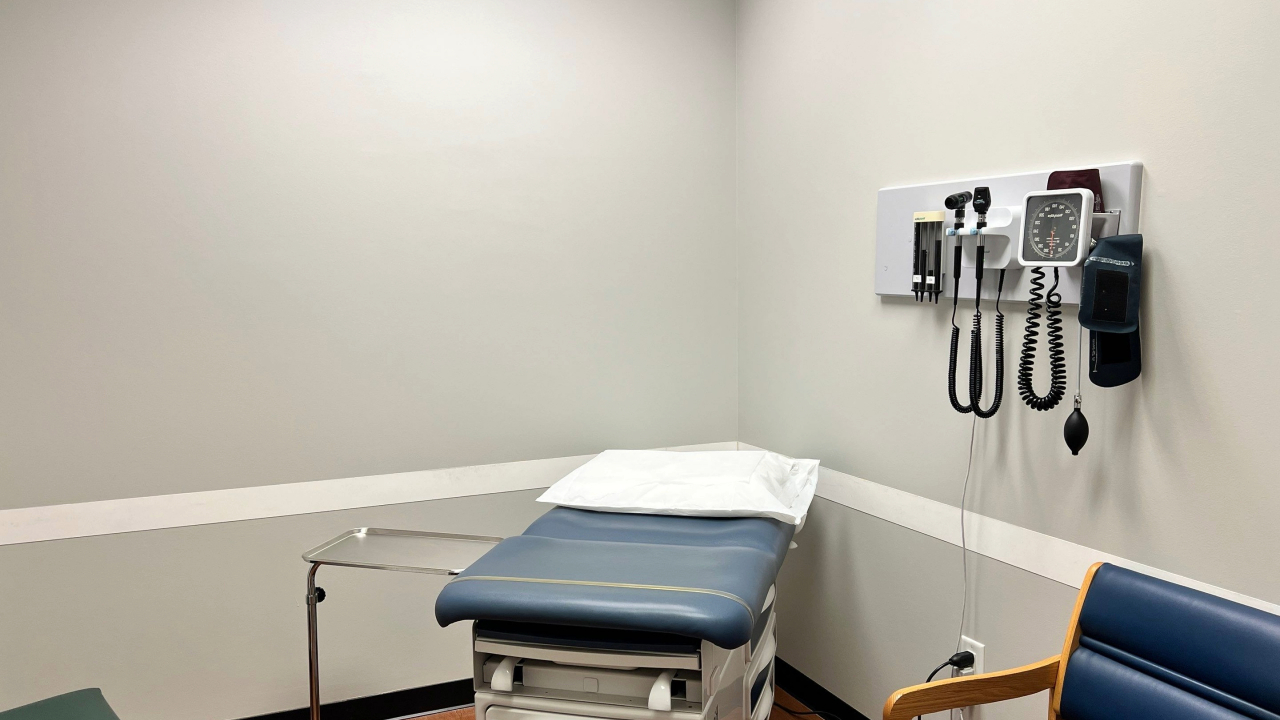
x=962, y=660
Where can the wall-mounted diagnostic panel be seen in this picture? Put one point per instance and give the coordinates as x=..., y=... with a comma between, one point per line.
x=1049, y=238
x=1117, y=214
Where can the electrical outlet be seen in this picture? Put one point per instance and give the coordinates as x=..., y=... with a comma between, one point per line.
x=978, y=650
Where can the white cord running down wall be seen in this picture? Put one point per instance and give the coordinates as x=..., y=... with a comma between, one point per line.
x=964, y=545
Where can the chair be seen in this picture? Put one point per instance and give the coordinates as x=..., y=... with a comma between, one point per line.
x=85, y=704
x=1137, y=648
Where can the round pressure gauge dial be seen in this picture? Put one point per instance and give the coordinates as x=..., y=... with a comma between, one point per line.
x=1056, y=226
x=1055, y=229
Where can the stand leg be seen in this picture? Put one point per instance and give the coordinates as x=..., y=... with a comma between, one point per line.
x=313, y=643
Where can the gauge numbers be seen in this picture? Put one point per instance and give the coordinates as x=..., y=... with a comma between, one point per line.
x=1053, y=228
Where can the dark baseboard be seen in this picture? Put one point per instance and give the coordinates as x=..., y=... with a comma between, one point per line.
x=414, y=701
x=811, y=694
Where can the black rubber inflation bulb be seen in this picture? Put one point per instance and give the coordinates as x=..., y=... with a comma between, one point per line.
x=1076, y=430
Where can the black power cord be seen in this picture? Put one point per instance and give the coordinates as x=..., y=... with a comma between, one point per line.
x=1057, y=359
x=962, y=660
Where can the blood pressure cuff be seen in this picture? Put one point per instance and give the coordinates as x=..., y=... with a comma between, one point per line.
x=1111, y=285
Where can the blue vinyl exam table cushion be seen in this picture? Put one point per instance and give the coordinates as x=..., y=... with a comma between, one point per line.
x=705, y=578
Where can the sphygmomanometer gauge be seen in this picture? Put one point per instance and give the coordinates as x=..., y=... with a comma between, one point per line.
x=1055, y=227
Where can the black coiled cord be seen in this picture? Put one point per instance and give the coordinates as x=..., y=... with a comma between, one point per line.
x=955, y=341
x=951, y=372
x=975, y=360
x=1057, y=359
x=975, y=356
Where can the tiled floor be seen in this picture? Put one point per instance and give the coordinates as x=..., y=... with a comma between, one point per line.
x=783, y=700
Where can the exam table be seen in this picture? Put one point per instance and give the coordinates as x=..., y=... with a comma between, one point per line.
x=624, y=617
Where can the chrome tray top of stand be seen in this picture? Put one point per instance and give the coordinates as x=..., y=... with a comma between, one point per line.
x=402, y=550
x=381, y=549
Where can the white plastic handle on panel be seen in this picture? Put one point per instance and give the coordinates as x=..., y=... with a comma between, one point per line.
x=1000, y=236
x=504, y=677
x=660, y=693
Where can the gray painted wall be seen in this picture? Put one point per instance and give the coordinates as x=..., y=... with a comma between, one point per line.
x=209, y=622
x=252, y=243
x=838, y=99
x=249, y=243
x=866, y=607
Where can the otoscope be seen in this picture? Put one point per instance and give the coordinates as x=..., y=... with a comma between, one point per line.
x=956, y=202
x=981, y=204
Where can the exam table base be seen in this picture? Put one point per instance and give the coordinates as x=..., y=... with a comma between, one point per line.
x=570, y=683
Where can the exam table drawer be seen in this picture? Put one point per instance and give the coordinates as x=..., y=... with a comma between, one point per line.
x=605, y=681
x=498, y=712
x=502, y=712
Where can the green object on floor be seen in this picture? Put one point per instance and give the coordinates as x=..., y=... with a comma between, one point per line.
x=85, y=704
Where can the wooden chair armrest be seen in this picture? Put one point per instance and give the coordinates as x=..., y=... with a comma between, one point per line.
x=972, y=690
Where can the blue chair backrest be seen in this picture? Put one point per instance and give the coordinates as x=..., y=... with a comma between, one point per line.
x=1152, y=649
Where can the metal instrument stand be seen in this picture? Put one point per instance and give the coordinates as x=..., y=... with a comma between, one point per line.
x=379, y=549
